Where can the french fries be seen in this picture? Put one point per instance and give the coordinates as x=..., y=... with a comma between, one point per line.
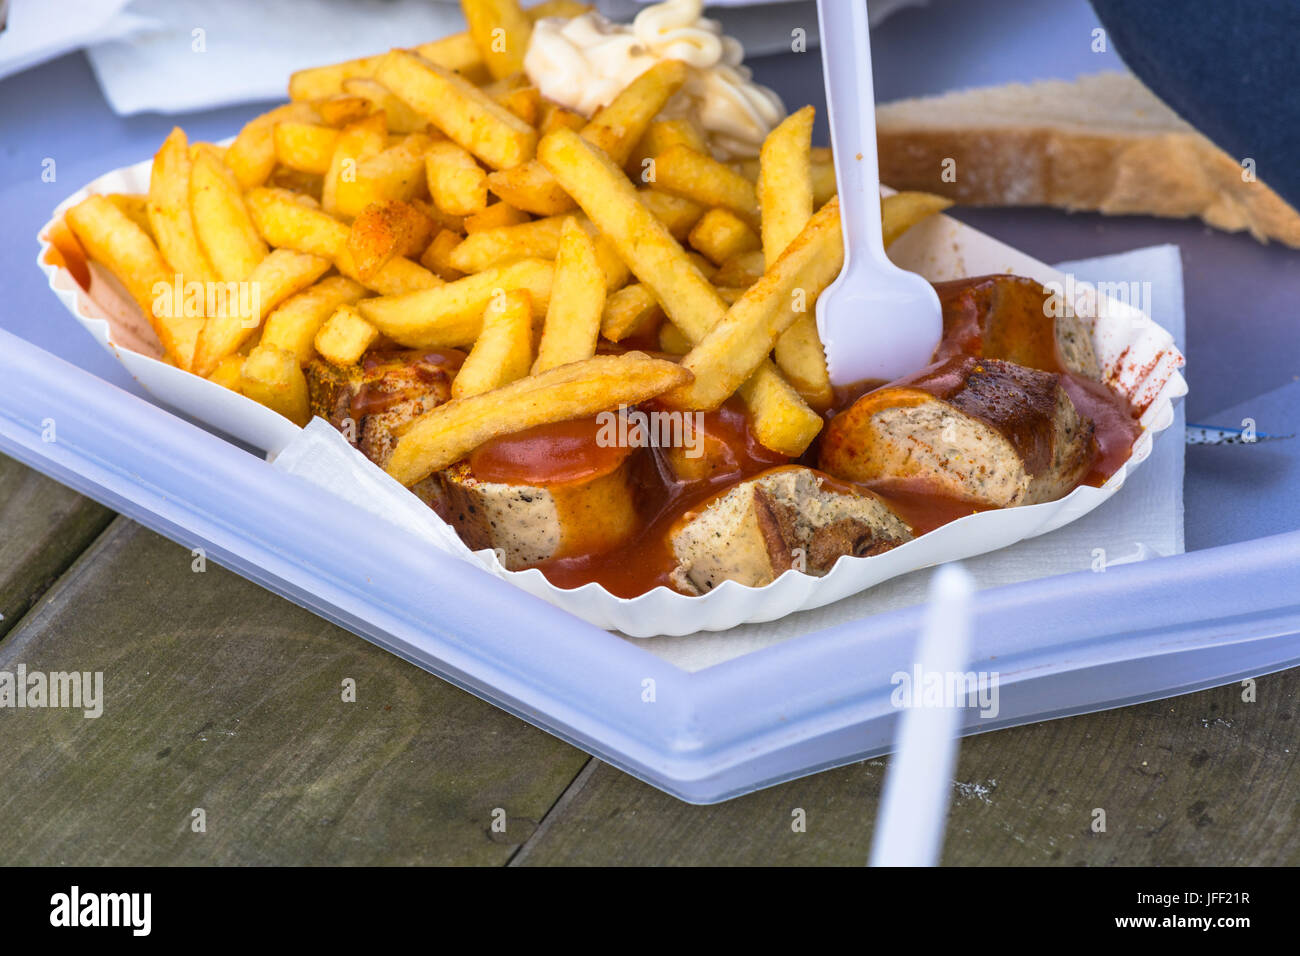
x=293, y=324
x=720, y=235
x=109, y=237
x=577, y=300
x=366, y=137
x=308, y=147
x=221, y=222
x=786, y=199
x=345, y=336
x=272, y=377
x=697, y=176
x=457, y=183
x=615, y=129
x=400, y=117
x=449, y=432
x=503, y=351
x=251, y=157
x=169, y=210
x=783, y=420
x=387, y=229
x=501, y=32
x=901, y=211
x=467, y=115
x=736, y=346
x=451, y=315
x=632, y=310
x=394, y=173
x=278, y=276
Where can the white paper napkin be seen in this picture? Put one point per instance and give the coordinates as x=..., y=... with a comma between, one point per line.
x=149, y=57
x=247, y=48
x=1143, y=520
x=32, y=35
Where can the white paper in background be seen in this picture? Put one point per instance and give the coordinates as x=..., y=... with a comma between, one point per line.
x=250, y=47
x=149, y=63
x=35, y=33
x=1144, y=519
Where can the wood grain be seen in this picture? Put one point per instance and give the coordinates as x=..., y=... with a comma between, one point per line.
x=43, y=527
x=223, y=697
x=1203, y=779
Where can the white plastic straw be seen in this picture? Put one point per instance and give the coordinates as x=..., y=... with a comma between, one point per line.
x=914, y=809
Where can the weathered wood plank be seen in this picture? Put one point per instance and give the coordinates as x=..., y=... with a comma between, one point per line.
x=1202, y=779
x=43, y=527
x=222, y=697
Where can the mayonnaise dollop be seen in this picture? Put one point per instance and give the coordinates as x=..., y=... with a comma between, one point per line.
x=583, y=63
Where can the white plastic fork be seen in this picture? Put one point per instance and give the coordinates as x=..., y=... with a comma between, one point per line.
x=876, y=321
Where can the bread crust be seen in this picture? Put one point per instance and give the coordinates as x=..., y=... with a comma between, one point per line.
x=1175, y=173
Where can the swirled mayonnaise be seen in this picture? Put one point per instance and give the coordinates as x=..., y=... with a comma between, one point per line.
x=583, y=63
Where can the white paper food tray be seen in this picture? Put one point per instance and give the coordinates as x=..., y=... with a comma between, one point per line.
x=1138, y=358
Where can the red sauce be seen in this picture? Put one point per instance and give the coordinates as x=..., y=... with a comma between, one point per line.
x=549, y=454
x=984, y=317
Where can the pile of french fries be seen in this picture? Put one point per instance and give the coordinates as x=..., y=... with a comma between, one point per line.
x=431, y=198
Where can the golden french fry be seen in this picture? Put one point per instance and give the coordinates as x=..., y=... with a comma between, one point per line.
x=785, y=193
x=457, y=183
x=446, y=434
x=901, y=211
x=555, y=116
x=525, y=102
x=456, y=52
x=661, y=134
x=387, y=229
x=229, y=372
x=672, y=340
x=678, y=214
x=343, y=109
x=251, y=157
x=721, y=234
x=686, y=172
x=484, y=248
x=787, y=424
x=577, y=300
x=364, y=138
x=293, y=324
x=396, y=173
x=345, y=336
x=290, y=221
x=615, y=129
x=437, y=257
x=272, y=377
x=467, y=115
x=278, y=276
x=503, y=351
x=308, y=147
x=501, y=32
x=112, y=239
x=824, y=185
x=225, y=230
x=169, y=210
x=451, y=315
x=738, y=345
x=741, y=270
x=643, y=242
x=494, y=217
x=135, y=207
x=631, y=311
x=400, y=117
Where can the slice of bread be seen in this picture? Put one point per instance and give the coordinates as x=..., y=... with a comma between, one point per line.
x=1102, y=143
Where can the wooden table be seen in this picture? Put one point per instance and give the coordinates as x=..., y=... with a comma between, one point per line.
x=222, y=697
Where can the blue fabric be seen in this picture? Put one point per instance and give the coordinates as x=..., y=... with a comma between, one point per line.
x=1231, y=68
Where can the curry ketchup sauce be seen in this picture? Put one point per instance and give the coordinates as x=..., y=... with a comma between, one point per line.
x=668, y=480
x=989, y=316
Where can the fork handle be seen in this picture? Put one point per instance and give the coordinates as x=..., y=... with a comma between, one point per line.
x=851, y=112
